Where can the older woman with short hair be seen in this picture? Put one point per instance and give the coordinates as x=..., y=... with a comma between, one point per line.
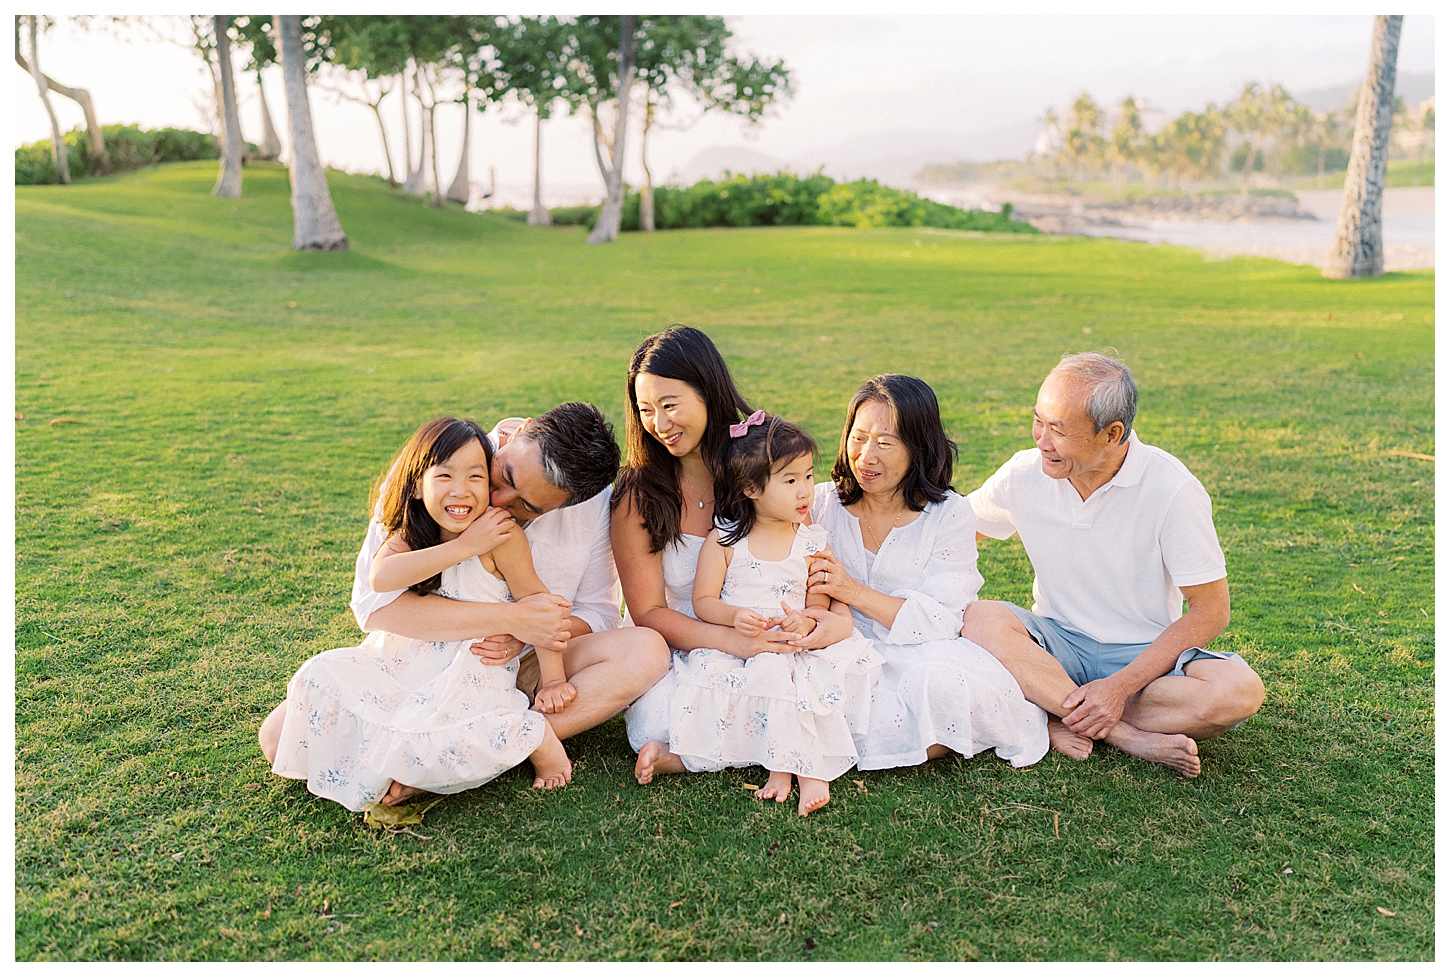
x=903, y=555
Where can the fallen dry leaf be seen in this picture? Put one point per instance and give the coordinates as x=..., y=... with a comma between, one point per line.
x=676, y=905
x=19, y=416
x=63, y=420
x=1357, y=587
x=861, y=784
x=1383, y=911
x=750, y=786
x=782, y=917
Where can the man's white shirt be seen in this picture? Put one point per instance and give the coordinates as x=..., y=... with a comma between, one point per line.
x=1109, y=566
x=571, y=552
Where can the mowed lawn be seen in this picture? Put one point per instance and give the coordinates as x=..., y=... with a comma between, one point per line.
x=205, y=411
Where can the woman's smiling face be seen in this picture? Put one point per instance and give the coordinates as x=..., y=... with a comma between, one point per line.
x=879, y=460
x=455, y=492
x=671, y=412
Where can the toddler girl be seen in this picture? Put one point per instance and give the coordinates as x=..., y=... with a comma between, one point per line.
x=791, y=712
x=397, y=716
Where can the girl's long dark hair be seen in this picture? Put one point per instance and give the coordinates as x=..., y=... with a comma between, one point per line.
x=918, y=423
x=749, y=462
x=403, y=513
x=650, y=477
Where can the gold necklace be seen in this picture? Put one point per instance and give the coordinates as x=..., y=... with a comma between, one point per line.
x=699, y=496
x=865, y=521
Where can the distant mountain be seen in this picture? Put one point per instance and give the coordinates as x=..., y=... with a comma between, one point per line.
x=1415, y=86
x=712, y=162
x=895, y=156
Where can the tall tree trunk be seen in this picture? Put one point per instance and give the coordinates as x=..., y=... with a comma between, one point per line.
x=407, y=131
x=436, y=199
x=458, y=190
x=229, y=171
x=606, y=229
x=1358, y=250
x=96, y=140
x=271, y=147
x=383, y=130
x=646, y=192
x=539, y=215
x=417, y=182
x=314, y=221
x=57, y=142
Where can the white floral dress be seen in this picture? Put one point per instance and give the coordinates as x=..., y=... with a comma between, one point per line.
x=427, y=714
x=647, y=720
x=793, y=713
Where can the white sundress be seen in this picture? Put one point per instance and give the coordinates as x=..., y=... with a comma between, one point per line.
x=936, y=686
x=797, y=712
x=427, y=714
x=647, y=720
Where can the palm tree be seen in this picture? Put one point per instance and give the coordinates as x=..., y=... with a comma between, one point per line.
x=1358, y=250
x=314, y=221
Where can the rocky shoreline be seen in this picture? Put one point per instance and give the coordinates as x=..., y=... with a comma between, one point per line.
x=1065, y=215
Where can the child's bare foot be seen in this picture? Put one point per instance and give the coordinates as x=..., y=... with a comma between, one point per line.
x=551, y=764
x=656, y=758
x=1068, y=743
x=777, y=788
x=1172, y=750
x=400, y=794
x=554, y=697
x=815, y=794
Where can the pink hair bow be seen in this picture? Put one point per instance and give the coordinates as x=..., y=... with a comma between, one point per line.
x=739, y=430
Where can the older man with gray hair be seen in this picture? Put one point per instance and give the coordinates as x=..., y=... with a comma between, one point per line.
x=1120, y=535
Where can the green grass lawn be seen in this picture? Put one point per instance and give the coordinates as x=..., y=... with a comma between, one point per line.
x=189, y=540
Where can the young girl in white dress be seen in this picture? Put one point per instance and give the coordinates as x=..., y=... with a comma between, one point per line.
x=395, y=716
x=793, y=713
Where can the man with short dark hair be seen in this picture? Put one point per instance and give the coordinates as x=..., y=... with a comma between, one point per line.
x=1120, y=535
x=552, y=473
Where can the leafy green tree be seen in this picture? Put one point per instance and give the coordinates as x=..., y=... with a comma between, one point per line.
x=80, y=96
x=315, y=226
x=535, y=54
x=57, y=141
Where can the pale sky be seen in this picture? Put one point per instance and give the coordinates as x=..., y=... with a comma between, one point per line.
x=931, y=88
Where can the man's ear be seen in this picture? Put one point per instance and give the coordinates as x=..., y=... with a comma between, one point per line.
x=1116, y=432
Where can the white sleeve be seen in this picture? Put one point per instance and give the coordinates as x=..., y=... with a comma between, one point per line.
x=1191, y=553
x=599, y=597
x=991, y=503
x=365, y=600
x=935, y=607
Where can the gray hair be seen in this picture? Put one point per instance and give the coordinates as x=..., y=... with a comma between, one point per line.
x=1112, y=394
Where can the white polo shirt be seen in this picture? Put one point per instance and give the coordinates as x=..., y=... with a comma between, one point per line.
x=1109, y=566
x=571, y=552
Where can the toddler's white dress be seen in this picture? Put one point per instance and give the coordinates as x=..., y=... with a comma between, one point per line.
x=796, y=712
x=427, y=714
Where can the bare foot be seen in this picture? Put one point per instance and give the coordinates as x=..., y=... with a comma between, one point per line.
x=1172, y=750
x=777, y=788
x=815, y=794
x=400, y=794
x=551, y=764
x=1068, y=743
x=655, y=758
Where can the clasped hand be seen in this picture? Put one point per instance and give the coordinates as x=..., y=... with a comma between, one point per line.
x=543, y=622
x=488, y=532
x=828, y=576
x=784, y=633
x=1094, y=709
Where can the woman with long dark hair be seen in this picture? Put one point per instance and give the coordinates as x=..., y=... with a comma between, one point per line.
x=903, y=555
x=681, y=402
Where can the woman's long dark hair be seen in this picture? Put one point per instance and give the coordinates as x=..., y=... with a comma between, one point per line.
x=401, y=486
x=650, y=477
x=918, y=423
x=750, y=460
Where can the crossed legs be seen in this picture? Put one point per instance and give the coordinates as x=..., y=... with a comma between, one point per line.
x=1160, y=724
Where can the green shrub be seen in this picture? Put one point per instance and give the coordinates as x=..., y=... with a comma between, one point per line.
x=127, y=148
x=584, y=216
x=783, y=199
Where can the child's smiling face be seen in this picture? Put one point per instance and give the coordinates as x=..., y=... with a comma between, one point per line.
x=788, y=493
x=455, y=492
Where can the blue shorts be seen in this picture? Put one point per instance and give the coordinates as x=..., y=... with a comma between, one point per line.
x=1086, y=659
